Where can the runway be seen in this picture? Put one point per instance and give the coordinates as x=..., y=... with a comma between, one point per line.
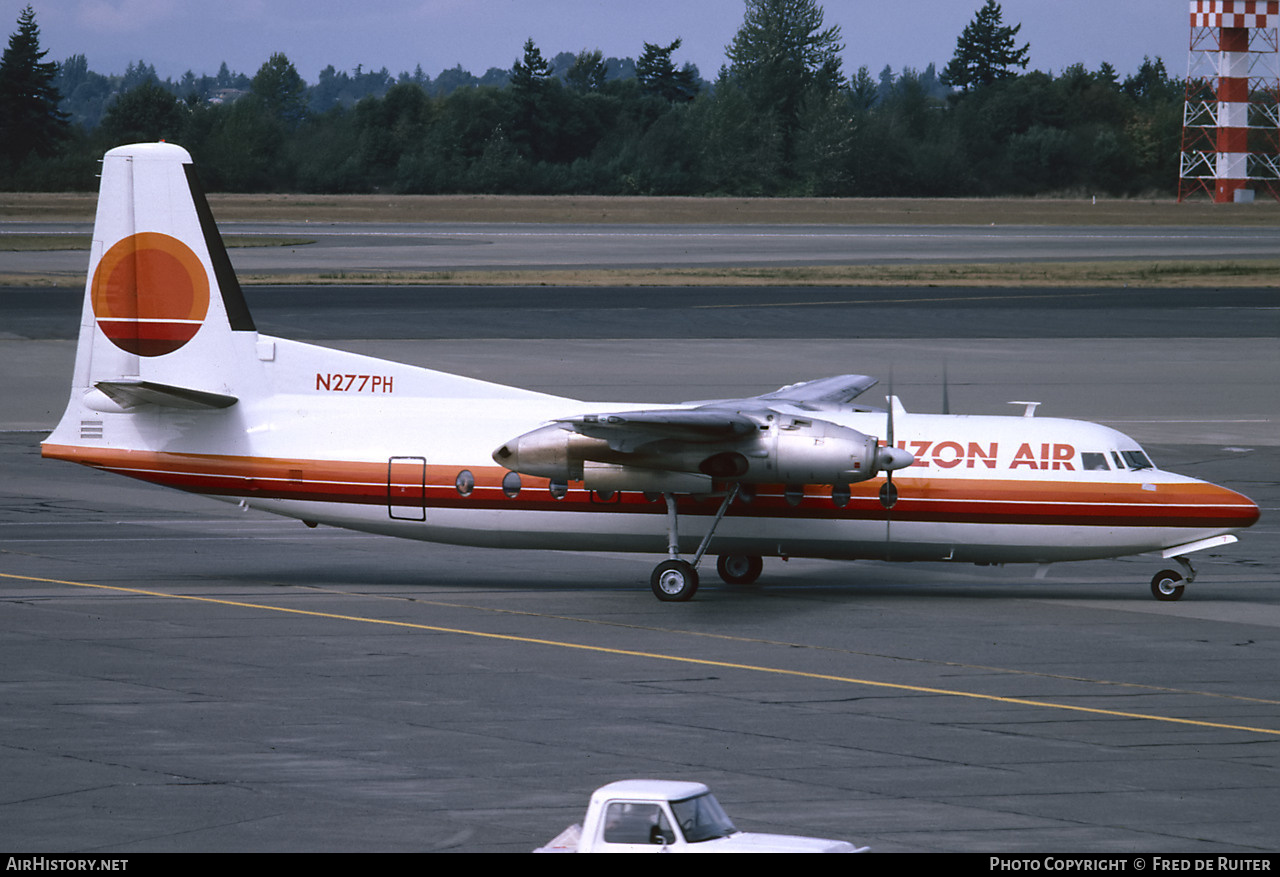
x=182, y=676
x=374, y=247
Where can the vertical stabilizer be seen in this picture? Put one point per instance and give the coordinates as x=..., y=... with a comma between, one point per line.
x=161, y=301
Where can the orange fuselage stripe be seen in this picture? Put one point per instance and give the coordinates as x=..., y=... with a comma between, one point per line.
x=990, y=500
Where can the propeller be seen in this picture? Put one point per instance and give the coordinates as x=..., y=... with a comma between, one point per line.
x=888, y=459
x=891, y=457
x=946, y=389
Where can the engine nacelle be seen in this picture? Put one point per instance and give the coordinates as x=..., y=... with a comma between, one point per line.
x=799, y=451
x=790, y=450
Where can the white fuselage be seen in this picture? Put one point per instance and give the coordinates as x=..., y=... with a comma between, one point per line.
x=355, y=442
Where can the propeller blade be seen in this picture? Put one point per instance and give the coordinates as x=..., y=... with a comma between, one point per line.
x=888, y=496
x=890, y=458
x=946, y=390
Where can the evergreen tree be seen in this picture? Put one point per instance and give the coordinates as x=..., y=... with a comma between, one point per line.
x=530, y=76
x=147, y=112
x=658, y=74
x=986, y=51
x=534, y=124
x=30, y=121
x=455, y=78
x=782, y=55
x=588, y=71
x=281, y=90
x=782, y=48
x=1152, y=82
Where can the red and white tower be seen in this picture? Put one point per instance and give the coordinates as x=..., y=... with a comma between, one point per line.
x=1231, y=114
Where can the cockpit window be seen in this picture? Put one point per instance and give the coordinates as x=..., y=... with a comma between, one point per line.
x=1136, y=460
x=1094, y=462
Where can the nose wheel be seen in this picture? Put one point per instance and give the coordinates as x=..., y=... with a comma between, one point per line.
x=1168, y=584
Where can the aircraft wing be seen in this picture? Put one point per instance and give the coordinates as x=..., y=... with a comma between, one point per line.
x=627, y=430
x=719, y=420
x=824, y=393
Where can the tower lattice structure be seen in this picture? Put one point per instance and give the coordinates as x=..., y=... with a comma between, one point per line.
x=1231, y=112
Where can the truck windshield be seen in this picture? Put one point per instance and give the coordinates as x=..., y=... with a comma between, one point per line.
x=701, y=818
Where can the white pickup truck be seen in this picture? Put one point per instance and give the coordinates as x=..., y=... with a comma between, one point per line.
x=663, y=816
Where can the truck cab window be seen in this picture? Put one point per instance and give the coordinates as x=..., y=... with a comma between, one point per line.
x=630, y=823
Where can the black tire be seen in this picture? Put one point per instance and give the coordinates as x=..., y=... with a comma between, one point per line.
x=674, y=581
x=739, y=569
x=1167, y=585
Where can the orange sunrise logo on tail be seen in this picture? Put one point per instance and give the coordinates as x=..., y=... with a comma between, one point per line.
x=150, y=294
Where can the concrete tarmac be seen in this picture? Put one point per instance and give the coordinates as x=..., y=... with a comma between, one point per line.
x=183, y=676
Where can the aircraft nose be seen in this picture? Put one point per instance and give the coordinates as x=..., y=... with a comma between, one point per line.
x=1238, y=511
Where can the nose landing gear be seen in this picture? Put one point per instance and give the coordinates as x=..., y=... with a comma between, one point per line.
x=1168, y=584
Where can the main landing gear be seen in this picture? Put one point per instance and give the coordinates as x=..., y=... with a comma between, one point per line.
x=675, y=580
x=739, y=569
x=1169, y=584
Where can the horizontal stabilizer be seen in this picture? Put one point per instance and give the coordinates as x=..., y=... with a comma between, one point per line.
x=130, y=394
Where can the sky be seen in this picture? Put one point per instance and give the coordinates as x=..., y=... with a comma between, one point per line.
x=180, y=35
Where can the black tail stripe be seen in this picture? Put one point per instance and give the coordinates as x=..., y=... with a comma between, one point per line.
x=232, y=296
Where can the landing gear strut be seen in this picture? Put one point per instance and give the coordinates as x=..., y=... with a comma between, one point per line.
x=675, y=580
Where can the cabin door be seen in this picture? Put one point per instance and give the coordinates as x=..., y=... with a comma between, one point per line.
x=407, y=488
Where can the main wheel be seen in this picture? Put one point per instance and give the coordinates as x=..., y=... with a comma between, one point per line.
x=674, y=581
x=739, y=569
x=1167, y=585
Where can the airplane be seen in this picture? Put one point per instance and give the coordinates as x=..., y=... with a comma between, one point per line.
x=174, y=385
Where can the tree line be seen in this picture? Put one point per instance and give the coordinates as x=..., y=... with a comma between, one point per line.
x=780, y=118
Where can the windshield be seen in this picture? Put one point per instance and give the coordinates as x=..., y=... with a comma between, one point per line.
x=702, y=818
x=1137, y=460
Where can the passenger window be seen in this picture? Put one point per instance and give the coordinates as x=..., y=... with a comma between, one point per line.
x=511, y=484
x=1094, y=462
x=465, y=482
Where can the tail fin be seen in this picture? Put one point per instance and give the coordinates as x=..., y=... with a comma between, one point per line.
x=168, y=353
x=161, y=302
